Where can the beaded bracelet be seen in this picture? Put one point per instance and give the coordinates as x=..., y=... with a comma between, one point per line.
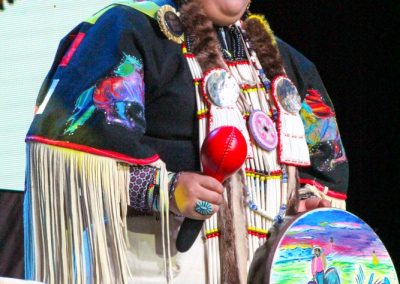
x=173, y=180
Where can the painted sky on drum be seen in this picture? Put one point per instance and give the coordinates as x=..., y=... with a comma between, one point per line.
x=350, y=235
x=354, y=253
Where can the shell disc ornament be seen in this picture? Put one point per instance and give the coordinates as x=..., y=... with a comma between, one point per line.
x=221, y=88
x=170, y=23
x=263, y=130
x=287, y=94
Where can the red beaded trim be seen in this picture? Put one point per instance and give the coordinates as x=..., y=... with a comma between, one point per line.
x=213, y=235
x=95, y=151
x=257, y=234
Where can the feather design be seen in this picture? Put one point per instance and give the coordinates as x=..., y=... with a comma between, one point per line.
x=84, y=109
x=318, y=107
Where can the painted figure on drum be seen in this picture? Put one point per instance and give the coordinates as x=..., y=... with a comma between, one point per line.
x=324, y=246
x=318, y=265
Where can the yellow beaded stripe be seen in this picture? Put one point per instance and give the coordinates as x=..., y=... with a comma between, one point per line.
x=202, y=112
x=214, y=233
x=257, y=230
x=262, y=176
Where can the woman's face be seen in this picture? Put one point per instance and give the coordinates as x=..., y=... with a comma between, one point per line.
x=224, y=12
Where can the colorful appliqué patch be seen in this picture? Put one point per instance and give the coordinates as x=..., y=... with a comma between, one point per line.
x=322, y=133
x=120, y=97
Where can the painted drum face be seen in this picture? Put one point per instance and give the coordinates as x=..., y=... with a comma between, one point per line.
x=221, y=88
x=329, y=246
x=263, y=130
x=288, y=96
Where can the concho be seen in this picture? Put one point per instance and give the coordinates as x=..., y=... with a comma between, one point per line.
x=170, y=23
x=287, y=94
x=221, y=88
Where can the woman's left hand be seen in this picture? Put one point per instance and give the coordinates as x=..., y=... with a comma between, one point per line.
x=311, y=203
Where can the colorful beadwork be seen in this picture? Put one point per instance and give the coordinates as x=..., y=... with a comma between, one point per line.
x=203, y=208
x=263, y=130
x=120, y=97
x=141, y=180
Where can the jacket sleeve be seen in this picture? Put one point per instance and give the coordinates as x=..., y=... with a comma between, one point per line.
x=93, y=98
x=329, y=166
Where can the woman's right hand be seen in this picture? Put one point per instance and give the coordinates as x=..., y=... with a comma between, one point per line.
x=193, y=187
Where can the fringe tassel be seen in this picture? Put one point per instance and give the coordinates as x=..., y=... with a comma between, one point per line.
x=164, y=213
x=293, y=148
x=74, y=206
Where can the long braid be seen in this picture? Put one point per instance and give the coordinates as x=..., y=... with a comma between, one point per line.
x=264, y=44
x=202, y=36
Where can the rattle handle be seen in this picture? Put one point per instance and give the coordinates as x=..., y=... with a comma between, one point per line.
x=223, y=152
x=188, y=233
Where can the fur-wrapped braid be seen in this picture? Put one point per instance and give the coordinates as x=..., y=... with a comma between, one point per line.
x=263, y=42
x=202, y=36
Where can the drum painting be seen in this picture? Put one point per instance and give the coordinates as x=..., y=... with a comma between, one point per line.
x=331, y=246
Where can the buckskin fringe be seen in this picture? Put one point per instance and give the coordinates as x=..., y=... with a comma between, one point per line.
x=76, y=227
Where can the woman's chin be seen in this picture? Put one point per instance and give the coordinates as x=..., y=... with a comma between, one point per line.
x=224, y=12
x=226, y=20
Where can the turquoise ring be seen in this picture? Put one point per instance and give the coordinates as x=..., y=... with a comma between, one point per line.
x=203, y=208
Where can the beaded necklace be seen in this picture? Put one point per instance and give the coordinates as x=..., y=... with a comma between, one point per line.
x=263, y=178
x=262, y=171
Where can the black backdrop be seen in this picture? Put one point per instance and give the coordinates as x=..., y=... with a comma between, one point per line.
x=354, y=45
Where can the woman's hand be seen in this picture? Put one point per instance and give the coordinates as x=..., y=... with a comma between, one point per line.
x=311, y=203
x=192, y=188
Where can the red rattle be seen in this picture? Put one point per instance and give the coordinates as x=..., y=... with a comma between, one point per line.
x=223, y=152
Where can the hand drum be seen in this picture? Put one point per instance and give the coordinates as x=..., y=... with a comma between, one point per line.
x=223, y=152
x=325, y=245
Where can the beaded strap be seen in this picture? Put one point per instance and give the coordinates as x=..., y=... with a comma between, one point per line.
x=173, y=181
x=144, y=188
x=141, y=187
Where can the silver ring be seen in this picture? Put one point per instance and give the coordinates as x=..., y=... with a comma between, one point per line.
x=203, y=208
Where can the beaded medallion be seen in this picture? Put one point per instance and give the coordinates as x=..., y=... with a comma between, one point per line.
x=263, y=131
x=170, y=23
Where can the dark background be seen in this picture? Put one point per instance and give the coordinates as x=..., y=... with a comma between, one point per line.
x=355, y=46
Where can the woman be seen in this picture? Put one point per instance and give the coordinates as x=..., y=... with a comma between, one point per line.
x=125, y=108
